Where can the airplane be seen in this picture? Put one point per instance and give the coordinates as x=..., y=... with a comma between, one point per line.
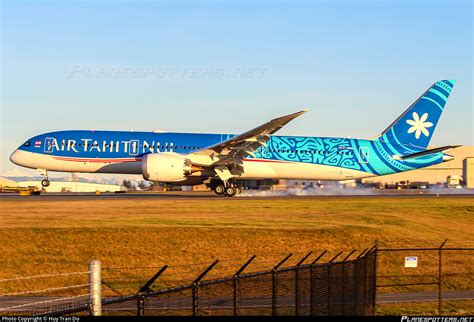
x=191, y=158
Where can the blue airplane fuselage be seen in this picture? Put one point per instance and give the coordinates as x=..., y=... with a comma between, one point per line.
x=175, y=157
x=373, y=157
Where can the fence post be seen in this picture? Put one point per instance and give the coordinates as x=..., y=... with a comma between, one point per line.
x=195, y=288
x=329, y=287
x=311, y=286
x=235, y=284
x=366, y=276
x=297, y=271
x=374, y=297
x=274, y=282
x=344, y=282
x=349, y=255
x=440, y=275
x=358, y=262
x=329, y=266
x=195, y=298
x=355, y=277
x=365, y=285
x=146, y=288
x=141, y=305
x=362, y=253
x=95, y=287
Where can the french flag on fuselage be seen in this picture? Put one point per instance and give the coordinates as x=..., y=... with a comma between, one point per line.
x=37, y=144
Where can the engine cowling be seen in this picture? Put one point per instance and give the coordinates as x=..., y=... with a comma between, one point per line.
x=166, y=167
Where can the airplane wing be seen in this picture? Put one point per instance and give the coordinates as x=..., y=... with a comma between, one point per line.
x=227, y=156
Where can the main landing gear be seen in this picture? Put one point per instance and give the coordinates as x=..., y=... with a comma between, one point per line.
x=45, y=182
x=228, y=189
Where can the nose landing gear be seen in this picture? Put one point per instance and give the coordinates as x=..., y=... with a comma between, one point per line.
x=43, y=172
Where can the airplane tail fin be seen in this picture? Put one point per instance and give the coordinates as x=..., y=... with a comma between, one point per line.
x=417, y=124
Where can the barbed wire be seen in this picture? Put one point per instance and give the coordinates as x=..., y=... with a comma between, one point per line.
x=174, y=266
x=46, y=290
x=189, y=274
x=133, y=278
x=425, y=244
x=435, y=274
x=44, y=302
x=220, y=268
x=41, y=276
x=244, y=259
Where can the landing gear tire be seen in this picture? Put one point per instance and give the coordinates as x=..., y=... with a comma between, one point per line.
x=220, y=189
x=45, y=183
x=230, y=191
x=238, y=190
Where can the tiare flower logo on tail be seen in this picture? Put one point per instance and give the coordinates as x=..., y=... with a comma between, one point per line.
x=418, y=125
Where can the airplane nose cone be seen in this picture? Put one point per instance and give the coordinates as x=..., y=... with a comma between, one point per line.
x=15, y=157
x=23, y=159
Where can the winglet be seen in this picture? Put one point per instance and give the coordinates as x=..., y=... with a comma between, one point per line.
x=291, y=116
x=277, y=123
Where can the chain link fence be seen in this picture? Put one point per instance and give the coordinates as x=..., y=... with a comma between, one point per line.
x=345, y=287
x=440, y=283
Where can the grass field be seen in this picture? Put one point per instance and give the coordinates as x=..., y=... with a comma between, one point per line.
x=39, y=236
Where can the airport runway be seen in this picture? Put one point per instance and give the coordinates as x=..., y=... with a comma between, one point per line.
x=246, y=195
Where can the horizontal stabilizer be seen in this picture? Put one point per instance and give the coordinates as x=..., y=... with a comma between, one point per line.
x=430, y=151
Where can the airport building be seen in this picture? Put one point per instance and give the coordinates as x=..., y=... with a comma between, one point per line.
x=5, y=182
x=63, y=186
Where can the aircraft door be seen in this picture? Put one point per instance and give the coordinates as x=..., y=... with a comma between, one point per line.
x=49, y=144
x=364, y=154
x=134, y=147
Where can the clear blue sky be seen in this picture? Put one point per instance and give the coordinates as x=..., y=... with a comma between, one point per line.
x=356, y=64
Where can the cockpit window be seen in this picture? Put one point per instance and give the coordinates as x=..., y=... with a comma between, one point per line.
x=28, y=143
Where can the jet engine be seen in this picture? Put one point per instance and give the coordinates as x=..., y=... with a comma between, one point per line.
x=167, y=167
